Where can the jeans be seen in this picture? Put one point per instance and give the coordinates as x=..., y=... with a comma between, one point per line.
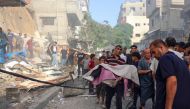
x=80, y=66
x=54, y=60
x=63, y=62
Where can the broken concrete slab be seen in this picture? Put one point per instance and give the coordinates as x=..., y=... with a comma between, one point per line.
x=45, y=98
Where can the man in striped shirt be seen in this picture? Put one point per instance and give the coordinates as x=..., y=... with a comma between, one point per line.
x=114, y=60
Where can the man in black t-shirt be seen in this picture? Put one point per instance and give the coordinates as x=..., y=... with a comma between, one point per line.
x=80, y=57
x=172, y=78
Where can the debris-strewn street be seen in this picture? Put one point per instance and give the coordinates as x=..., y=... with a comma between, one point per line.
x=94, y=54
x=80, y=99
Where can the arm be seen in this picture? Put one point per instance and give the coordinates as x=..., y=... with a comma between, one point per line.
x=143, y=71
x=141, y=68
x=171, y=87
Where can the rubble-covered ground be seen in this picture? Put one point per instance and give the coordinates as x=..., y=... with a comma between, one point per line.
x=84, y=100
x=30, y=92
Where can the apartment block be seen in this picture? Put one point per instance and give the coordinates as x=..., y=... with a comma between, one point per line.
x=134, y=13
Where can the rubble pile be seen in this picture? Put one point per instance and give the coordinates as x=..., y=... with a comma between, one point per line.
x=40, y=71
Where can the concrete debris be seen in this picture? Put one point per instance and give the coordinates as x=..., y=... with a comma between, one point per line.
x=30, y=70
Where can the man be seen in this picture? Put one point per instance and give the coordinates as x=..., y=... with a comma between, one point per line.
x=85, y=63
x=25, y=39
x=130, y=62
x=129, y=57
x=63, y=56
x=30, y=46
x=171, y=42
x=3, y=37
x=146, y=78
x=3, y=44
x=114, y=60
x=172, y=78
x=135, y=58
x=49, y=49
x=11, y=40
x=80, y=57
x=54, y=55
x=91, y=65
x=19, y=42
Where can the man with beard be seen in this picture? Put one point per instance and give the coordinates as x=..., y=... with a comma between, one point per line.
x=172, y=78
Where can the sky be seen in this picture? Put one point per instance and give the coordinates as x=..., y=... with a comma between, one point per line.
x=102, y=10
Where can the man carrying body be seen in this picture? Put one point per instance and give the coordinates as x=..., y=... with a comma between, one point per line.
x=114, y=60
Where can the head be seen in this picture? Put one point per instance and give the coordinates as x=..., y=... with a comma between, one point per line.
x=158, y=48
x=147, y=54
x=25, y=35
x=181, y=47
x=92, y=56
x=20, y=34
x=133, y=48
x=9, y=30
x=102, y=59
x=136, y=56
x=187, y=48
x=117, y=50
x=55, y=43
x=86, y=56
x=170, y=42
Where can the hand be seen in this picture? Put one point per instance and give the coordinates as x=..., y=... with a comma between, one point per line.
x=116, y=81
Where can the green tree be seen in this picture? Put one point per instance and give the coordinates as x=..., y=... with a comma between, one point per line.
x=102, y=35
x=122, y=34
x=96, y=32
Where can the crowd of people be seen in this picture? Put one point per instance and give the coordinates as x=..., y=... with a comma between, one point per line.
x=163, y=71
x=12, y=43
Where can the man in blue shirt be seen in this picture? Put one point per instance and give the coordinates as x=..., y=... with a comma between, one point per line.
x=172, y=78
x=145, y=78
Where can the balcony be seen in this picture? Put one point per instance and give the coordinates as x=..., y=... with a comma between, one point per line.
x=177, y=3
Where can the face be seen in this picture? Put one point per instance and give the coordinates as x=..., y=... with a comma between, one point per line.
x=102, y=61
x=117, y=51
x=147, y=54
x=176, y=48
x=156, y=52
x=133, y=49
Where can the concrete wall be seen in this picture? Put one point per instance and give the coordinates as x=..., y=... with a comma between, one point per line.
x=187, y=17
x=175, y=20
x=154, y=21
x=57, y=9
x=18, y=19
x=151, y=6
x=140, y=9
